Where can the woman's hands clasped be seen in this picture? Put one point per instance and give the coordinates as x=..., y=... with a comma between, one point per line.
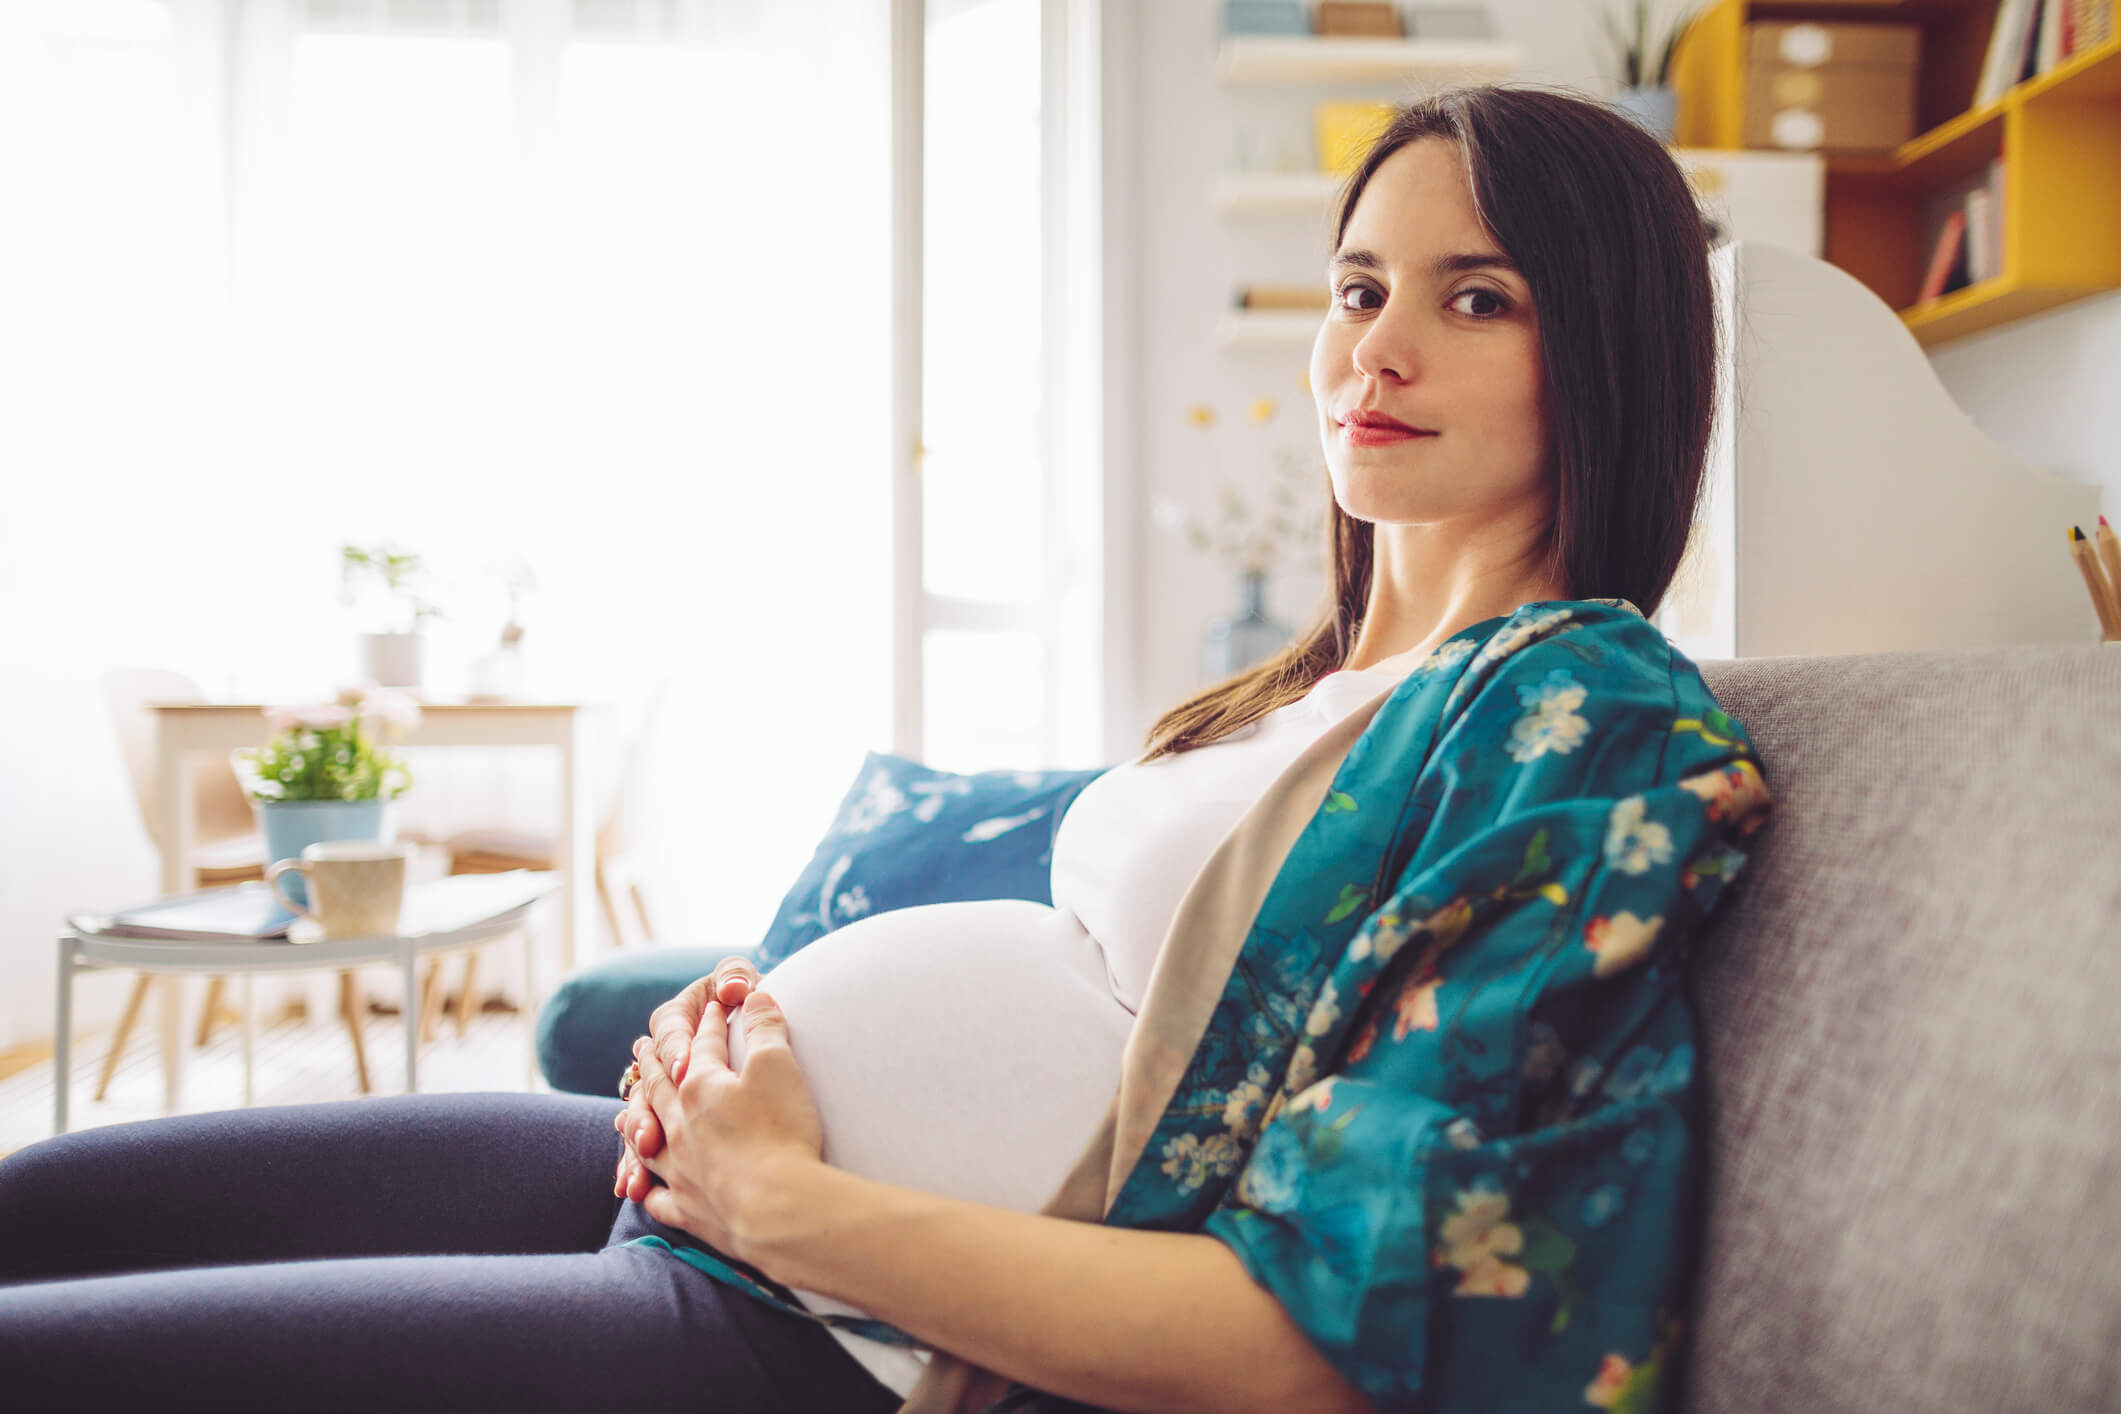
x=712, y=1136
x=671, y=1028
x=728, y=1139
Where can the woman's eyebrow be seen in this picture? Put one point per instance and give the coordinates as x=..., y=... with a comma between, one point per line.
x=1452, y=264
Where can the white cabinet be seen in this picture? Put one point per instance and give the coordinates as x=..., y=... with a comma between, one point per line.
x=1777, y=197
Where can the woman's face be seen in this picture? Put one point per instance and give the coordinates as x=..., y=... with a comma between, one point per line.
x=1452, y=350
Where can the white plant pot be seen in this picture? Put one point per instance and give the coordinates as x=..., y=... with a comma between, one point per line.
x=391, y=659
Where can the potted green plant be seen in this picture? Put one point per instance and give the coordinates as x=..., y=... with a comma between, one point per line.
x=323, y=775
x=391, y=656
x=1646, y=48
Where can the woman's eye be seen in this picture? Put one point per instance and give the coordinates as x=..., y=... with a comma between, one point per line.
x=1350, y=287
x=1500, y=303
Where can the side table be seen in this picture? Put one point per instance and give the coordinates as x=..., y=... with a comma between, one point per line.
x=81, y=950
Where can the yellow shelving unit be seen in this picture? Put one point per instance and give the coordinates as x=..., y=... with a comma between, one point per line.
x=2059, y=136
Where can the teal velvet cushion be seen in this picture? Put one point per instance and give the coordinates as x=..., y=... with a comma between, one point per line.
x=585, y=1033
x=905, y=834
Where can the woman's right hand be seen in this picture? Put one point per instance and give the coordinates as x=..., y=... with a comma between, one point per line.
x=671, y=1028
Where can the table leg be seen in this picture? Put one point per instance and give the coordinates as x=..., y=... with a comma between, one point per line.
x=250, y=1030
x=408, y=957
x=62, y=1036
x=172, y=1042
x=530, y=1005
x=577, y=851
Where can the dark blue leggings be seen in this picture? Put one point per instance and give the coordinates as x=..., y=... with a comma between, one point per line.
x=405, y=1252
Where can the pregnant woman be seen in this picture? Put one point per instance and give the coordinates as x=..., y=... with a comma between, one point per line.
x=1350, y=1068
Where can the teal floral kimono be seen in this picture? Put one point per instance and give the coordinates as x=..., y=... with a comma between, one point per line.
x=1418, y=1049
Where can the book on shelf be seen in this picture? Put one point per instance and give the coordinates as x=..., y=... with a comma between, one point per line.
x=2030, y=37
x=1984, y=224
x=2091, y=24
x=2029, y=60
x=2053, y=33
x=252, y=912
x=1282, y=297
x=1945, y=259
x=1979, y=256
x=2006, y=42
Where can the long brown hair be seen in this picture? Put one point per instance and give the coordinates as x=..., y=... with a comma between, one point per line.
x=1600, y=219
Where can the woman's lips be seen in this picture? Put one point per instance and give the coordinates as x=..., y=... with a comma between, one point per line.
x=1356, y=435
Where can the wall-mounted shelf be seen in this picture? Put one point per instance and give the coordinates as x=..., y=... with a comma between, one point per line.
x=1243, y=194
x=1268, y=328
x=2058, y=135
x=1273, y=58
x=1771, y=196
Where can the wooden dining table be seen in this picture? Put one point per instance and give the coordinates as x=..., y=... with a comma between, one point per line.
x=184, y=729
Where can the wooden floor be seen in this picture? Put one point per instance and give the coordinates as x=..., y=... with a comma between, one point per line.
x=296, y=1061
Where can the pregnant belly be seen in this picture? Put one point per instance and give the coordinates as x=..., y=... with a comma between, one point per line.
x=967, y=1049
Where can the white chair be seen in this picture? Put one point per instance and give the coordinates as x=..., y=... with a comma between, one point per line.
x=619, y=839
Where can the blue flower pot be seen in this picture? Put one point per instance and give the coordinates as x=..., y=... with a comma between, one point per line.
x=291, y=826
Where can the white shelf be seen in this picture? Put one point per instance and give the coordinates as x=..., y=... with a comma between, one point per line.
x=1268, y=328
x=1277, y=193
x=1273, y=58
x=1258, y=58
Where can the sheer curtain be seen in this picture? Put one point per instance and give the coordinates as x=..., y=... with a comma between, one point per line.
x=600, y=283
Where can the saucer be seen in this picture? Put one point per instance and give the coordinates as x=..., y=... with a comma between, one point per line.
x=308, y=930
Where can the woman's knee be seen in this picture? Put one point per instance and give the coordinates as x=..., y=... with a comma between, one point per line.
x=44, y=1196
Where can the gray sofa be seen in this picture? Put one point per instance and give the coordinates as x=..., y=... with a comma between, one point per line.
x=1911, y=1022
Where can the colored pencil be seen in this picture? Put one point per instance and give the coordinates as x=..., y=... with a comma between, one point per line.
x=2095, y=583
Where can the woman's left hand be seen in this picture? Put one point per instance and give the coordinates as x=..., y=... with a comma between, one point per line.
x=728, y=1138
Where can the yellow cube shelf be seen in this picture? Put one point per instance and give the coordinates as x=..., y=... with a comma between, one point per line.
x=2059, y=135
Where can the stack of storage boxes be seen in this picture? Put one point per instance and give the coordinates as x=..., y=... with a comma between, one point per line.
x=1830, y=87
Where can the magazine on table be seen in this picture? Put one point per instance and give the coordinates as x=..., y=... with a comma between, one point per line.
x=252, y=912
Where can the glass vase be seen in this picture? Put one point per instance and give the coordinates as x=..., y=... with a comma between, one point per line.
x=1656, y=109
x=1248, y=637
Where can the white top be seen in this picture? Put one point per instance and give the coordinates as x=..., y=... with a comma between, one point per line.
x=970, y=1049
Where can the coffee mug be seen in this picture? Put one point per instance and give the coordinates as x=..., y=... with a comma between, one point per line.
x=358, y=886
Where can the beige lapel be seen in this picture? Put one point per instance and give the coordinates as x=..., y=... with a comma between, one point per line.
x=1206, y=934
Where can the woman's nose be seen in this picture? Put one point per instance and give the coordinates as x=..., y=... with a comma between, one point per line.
x=1385, y=353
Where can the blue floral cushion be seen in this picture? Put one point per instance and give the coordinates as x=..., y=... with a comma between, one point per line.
x=908, y=834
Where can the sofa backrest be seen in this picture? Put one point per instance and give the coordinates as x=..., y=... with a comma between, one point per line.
x=1911, y=1027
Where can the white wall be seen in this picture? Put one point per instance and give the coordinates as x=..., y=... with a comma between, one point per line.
x=2044, y=387
x=2040, y=387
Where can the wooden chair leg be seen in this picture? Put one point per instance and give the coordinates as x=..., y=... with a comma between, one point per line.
x=214, y=1013
x=430, y=999
x=611, y=908
x=349, y=1009
x=467, y=999
x=124, y=1032
x=206, y=1013
x=640, y=908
